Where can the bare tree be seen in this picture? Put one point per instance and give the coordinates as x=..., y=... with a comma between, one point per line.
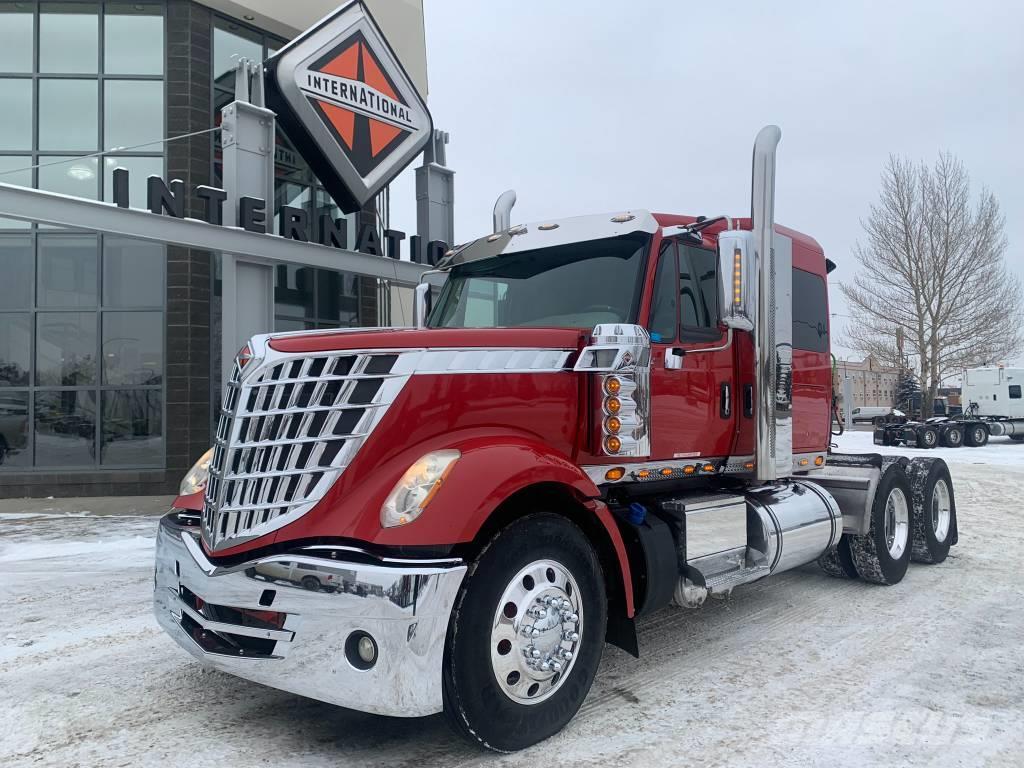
x=932, y=291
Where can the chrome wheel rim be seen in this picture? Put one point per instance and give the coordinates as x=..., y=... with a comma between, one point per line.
x=897, y=523
x=537, y=632
x=942, y=510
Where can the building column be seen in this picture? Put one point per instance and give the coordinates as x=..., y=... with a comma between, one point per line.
x=189, y=100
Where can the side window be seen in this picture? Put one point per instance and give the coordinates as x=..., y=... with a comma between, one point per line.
x=698, y=289
x=664, y=306
x=810, y=312
x=1015, y=391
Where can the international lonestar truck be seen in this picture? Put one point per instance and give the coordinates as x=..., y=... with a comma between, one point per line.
x=599, y=417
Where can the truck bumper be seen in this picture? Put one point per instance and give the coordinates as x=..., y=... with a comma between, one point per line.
x=291, y=634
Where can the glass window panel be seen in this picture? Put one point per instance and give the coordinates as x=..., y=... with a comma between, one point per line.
x=65, y=348
x=12, y=171
x=76, y=176
x=231, y=42
x=16, y=37
x=65, y=429
x=133, y=273
x=133, y=348
x=133, y=114
x=133, y=40
x=15, y=349
x=14, y=432
x=139, y=169
x=68, y=37
x=288, y=163
x=69, y=115
x=286, y=324
x=337, y=298
x=17, y=261
x=67, y=271
x=293, y=290
x=295, y=195
x=133, y=432
x=16, y=125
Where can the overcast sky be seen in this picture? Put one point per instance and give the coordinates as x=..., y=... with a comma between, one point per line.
x=586, y=107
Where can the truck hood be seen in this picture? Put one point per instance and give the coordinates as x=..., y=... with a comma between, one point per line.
x=459, y=389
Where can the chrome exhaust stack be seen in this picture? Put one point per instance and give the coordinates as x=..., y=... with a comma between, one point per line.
x=773, y=332
x=503, y=210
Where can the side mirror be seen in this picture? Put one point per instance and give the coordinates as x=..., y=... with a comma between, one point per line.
x=421, y=300
x=738, y=270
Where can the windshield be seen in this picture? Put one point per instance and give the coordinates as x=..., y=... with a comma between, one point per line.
x=569, y=286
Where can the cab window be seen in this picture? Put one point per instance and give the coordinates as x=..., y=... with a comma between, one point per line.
x=698, y=291
x=664, y=303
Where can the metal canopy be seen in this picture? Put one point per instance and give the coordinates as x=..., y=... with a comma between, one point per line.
x=73, y=212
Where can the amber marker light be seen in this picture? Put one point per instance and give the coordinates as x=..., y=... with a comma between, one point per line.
x=612, y=444
x=666, y=471
x=709, y=467
x=612, y=385
x=643, y=474
x=819, y=460
x=616, y=473
x=613, y=424
x=689, y=470
x=613, y=404
x=749, y=465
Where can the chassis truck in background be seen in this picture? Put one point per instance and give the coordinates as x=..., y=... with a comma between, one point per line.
x=599, y=417
x=994, y=407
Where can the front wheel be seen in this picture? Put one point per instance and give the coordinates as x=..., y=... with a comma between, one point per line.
x=526, y=635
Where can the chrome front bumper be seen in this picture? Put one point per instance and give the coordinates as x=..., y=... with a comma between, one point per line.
x=284, y=620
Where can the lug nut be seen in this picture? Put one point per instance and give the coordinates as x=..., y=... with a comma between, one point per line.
x=566, y=655
x=535, y=632
x=534, y=653
x=556, y=666
x=545, y=666
x=571, y=636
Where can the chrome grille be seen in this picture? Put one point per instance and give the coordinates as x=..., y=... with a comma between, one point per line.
x=288, y=427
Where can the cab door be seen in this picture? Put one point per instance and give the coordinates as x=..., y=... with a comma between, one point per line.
x=693, y=402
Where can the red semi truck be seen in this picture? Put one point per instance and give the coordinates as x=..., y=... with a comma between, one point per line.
x=599, y=417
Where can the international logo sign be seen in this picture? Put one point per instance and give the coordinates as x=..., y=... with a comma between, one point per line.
x=344, y=99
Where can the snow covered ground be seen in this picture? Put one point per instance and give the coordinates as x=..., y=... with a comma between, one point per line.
x=796, y=670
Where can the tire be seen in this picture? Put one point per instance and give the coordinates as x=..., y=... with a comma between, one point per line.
x=927, y=437
x=934, y=517
x=976, y=435
x=486, y=681
x=879, y=421
x=312, y=583
x=953, y=436
x=838, y=561
x=883, y=554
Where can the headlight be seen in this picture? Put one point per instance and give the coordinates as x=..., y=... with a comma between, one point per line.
x=196, y=478
x=417, y=487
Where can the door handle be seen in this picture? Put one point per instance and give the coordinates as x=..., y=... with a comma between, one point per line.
x=674, y=358
x=725, y=400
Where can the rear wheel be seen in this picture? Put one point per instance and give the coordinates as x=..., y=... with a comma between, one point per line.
x=883, y=554
x=934, y=517
x=838, y=561
x=927, y=437
x=953, y=436
x=976, y=435
x=879, y=421
x=526, y=635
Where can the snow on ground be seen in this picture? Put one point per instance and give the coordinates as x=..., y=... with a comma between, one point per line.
x=795, y=670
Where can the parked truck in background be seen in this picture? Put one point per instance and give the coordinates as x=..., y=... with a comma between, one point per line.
x=599, y=417
x=993, y=407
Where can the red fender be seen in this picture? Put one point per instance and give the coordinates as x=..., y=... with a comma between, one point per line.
x=487, y=474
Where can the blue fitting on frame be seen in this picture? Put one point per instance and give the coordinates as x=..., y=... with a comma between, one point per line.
x=637, y=513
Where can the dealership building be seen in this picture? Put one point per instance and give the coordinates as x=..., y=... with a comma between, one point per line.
x=109, y=347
